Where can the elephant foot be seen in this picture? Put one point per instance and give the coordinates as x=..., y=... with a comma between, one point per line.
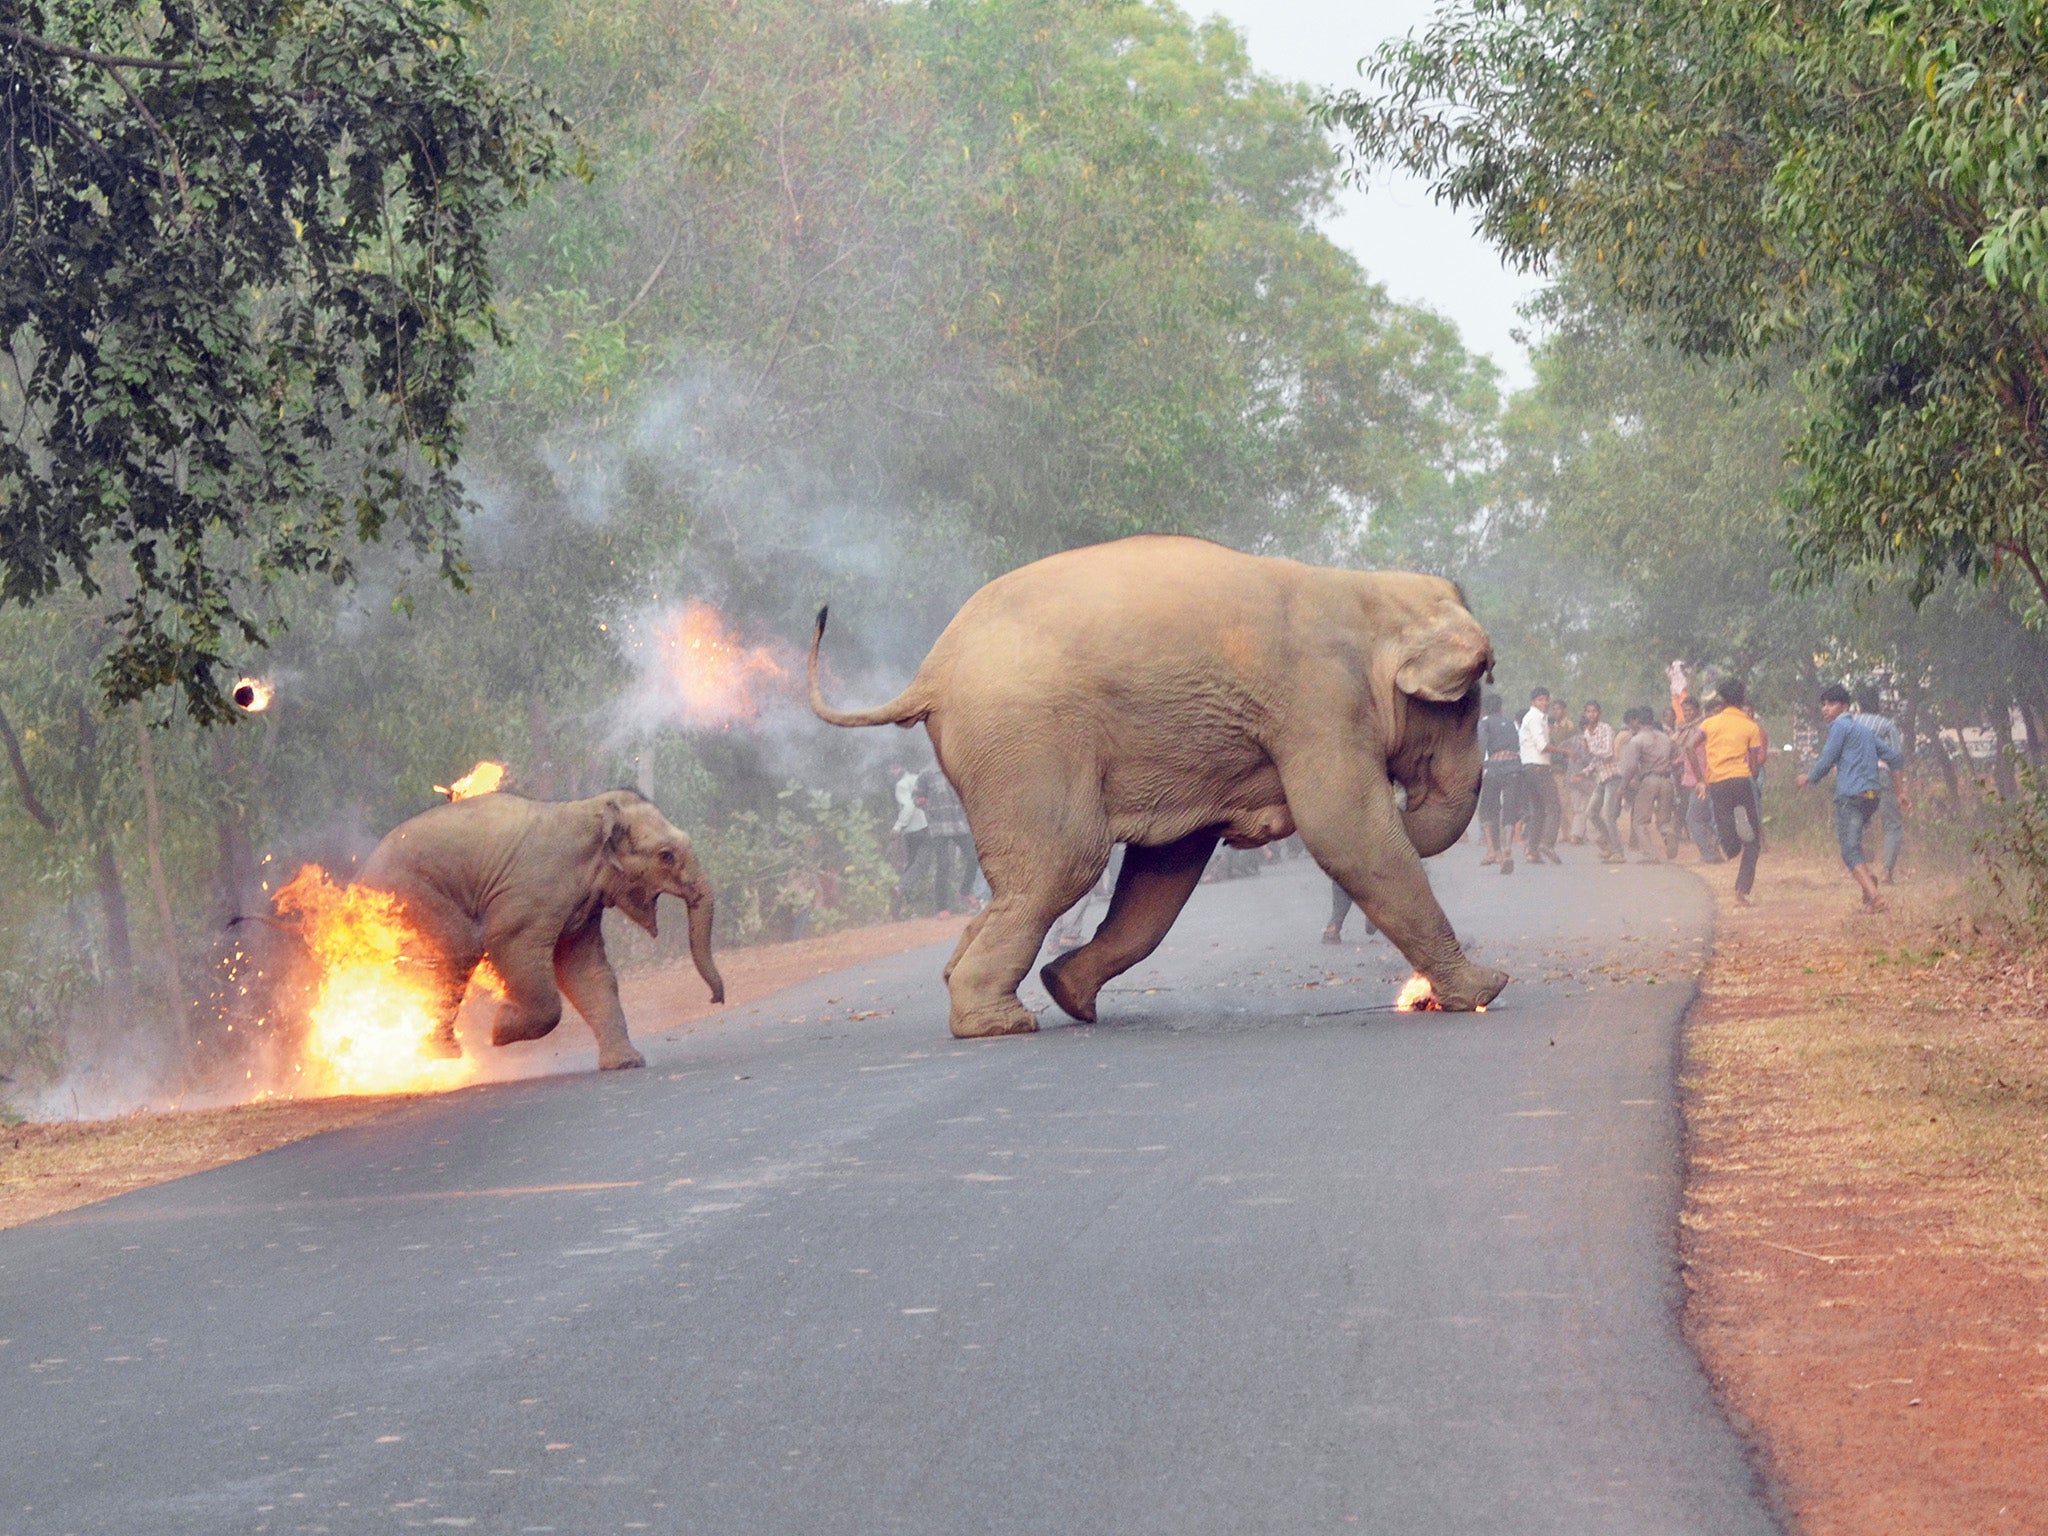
x=988, y=1023
x=1474, y=988
x=512, y=1031
x=1073, y=1002
x=620, y=1060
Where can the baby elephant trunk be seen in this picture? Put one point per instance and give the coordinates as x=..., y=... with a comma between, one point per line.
x=700, y=944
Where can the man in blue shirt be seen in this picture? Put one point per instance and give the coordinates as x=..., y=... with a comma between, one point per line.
x=1853, y=752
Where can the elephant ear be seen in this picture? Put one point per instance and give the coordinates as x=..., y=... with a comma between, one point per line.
x=1440, y=659
x=623, y=892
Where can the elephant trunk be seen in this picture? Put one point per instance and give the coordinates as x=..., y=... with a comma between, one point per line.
x=1440, y=819
x=700, y=944
x=1441, y=772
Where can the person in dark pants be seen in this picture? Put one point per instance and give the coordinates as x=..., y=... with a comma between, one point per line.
x=1541, y=812
x=946, y=828
x=911, y=830
x=1731, y=749
x=1500, y=792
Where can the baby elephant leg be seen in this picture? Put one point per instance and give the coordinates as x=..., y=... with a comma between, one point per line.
x=531, y=1006
x=585, y=975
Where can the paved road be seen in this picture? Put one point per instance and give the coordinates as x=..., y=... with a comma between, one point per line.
x=1246, y=1257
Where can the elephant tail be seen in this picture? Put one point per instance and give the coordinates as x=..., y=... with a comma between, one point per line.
x=906, y=709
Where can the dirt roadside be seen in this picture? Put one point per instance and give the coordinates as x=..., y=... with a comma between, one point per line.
x=1866, y=1221
x=50, y=1167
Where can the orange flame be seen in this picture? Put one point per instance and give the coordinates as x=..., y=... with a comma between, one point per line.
x=1417, y=996
x=371, y=1026
x=715, y=674
x=251, y=695
x=485, y=778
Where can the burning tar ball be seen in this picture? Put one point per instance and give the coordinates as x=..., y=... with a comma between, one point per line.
x=251, y=695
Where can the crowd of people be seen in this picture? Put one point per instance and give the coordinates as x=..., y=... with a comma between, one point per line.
x=1692, y=772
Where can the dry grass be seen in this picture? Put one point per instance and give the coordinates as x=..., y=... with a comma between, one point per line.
x=1902, y=1048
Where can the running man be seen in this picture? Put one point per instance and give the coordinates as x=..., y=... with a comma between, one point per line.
x=1853, y=752
x=1730, y=751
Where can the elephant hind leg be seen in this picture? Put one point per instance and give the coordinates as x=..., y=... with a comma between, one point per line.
x=967, y=938
x=1006, y=937
x=532, y=1006
x=1154, y=885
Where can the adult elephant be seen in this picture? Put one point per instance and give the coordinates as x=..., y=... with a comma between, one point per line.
x=524, y=884
x=1165, y=692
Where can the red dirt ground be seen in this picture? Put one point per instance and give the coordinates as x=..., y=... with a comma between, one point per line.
x=1864, y=1219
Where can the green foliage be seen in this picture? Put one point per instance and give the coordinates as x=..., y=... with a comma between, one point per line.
x=243, y=281
x=1853, y=188
x=807, y=861
x=2013, y=849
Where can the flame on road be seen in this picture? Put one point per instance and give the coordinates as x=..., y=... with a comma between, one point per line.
x=371, y=1025
x=485, y=778
x=1416, y=996
x=251, y=695
x=718, y=679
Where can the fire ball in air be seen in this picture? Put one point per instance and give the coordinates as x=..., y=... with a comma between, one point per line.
x=251, y=695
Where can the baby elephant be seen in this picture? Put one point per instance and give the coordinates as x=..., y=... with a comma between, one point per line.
x=524, y=884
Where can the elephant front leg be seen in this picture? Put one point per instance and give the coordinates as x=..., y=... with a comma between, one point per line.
x=1350, y=823
x=1152, y=887
x=585, y=975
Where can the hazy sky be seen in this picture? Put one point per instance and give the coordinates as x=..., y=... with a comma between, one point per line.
x=1422, y=253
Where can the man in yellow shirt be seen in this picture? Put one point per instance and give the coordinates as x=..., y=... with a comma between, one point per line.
x=1729, y=750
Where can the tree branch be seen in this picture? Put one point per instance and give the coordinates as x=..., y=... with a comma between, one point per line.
x=86, y=55
x=28, y=788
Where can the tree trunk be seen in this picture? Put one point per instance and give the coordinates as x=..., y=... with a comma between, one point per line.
x=106, y=868
x=1949, y=779
x=2031, y=718
x=2001, y=765
x=153, y=836
x=27, y=786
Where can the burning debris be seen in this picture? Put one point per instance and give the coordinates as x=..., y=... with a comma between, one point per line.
x=716, y=678
x=485, y=778
x=1418, y=996
x=252, y=695
x=371, y=1025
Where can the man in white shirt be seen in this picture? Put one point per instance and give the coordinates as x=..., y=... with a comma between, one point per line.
x=1541, y=812
x=914, y=829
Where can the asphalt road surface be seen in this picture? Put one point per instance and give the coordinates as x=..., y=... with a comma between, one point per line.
x=1252, y=1255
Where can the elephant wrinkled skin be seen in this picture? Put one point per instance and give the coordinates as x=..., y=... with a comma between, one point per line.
x=525, y=883
x=1165, y=693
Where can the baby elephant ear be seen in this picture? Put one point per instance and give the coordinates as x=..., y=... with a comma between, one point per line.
x=1443, y=658
x=614, y=832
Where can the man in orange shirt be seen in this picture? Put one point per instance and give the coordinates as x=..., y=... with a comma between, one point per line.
x=1728, y=751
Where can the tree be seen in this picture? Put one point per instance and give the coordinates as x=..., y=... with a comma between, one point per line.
x=1855, y=188
x=243, y=280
